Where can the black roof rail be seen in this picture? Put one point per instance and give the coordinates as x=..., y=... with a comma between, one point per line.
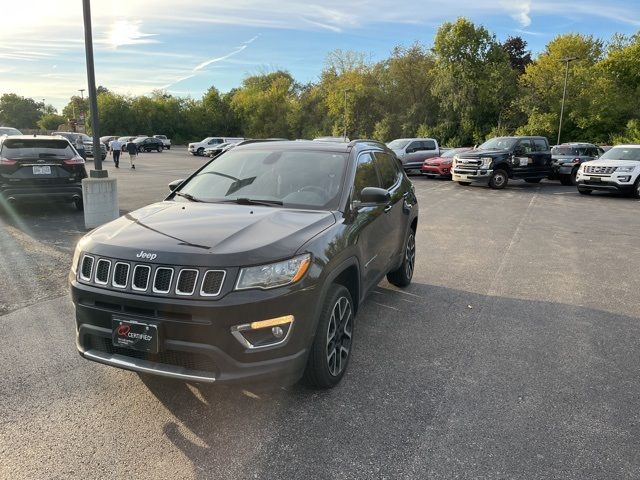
x=259, y=140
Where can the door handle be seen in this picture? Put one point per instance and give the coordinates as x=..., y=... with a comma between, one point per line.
x=388, y=207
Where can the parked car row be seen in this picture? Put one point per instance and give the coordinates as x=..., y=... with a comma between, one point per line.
x=86, y=141
x=145, y=143
x=198, y=148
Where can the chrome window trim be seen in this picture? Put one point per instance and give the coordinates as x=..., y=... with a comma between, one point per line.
x=93, y=264
x=146, y=287
x=113, y=278
x=195, y=283
x=155, y=275
x=204, y=277
x=95, y=275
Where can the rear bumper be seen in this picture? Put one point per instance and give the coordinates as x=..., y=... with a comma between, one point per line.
x=41, y=193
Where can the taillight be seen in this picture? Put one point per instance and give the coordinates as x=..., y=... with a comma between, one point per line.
x=575, y=160
x=7, y=161
x=77, y=160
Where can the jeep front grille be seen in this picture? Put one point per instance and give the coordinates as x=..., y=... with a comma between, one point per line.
x=161, y=280
x=599, y=169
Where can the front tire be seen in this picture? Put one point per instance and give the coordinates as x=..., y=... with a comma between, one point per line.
x=403, y=275
x=200, y=151
x=584, y=191
x=499, y=179
x=332, y=345
x=636, y=190
x=159, y=149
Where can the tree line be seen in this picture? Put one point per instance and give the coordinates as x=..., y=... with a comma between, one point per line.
x=467, y=87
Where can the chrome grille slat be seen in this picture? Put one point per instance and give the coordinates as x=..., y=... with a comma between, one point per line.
x=212, y=283
x=103, y=268
x=120, y=275
x=187, y=281
x=141, y=275
x=87, y=268
x=602, y=170
x=162, y=280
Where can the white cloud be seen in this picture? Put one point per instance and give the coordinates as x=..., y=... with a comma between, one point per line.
x=521, y=10
x=125, y=32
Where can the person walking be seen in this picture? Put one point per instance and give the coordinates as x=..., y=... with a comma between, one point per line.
x=115, y=147
x=80, y=147
x=132, y=148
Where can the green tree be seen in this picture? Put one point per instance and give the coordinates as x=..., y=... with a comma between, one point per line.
x=51, y=121
x=19, y=112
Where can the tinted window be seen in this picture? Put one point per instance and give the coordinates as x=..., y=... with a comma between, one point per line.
x=388, y=168
x=414, y=146
x=428, y=145
x=366, y=175
x=540, y=145
x=15, y=149
x=397, y=144
x=526, y=145
x=297, y=178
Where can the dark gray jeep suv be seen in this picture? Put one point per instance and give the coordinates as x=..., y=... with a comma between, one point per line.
x=252, y=269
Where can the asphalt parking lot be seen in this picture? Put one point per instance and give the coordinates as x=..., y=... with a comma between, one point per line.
x=515, y=353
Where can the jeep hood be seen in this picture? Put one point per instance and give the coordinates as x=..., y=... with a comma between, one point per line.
x=204, y=234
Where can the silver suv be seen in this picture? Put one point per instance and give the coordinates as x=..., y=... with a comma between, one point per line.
x=412, y=152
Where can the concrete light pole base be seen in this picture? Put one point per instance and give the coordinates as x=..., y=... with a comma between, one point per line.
x=100, y=198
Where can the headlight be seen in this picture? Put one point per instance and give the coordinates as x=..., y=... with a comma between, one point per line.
x=275, y=274
x=486, y=162
x=76, y=254
x=625, y=169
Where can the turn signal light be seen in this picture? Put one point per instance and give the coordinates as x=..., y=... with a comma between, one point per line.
x=272, y=322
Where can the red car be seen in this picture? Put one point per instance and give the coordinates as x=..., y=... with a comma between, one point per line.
x=440, y=167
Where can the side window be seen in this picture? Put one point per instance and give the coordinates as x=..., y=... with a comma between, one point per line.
x=366, y=175
x=414, y=147
x=388, y=169
x=428, y=145
x=525, y=145
x=540, y=145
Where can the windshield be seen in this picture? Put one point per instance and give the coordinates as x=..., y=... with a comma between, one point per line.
x=453, y=152
x=499, y=143
x=397, y=144
x=297, y=178
x=16, y=149
x=622, y=153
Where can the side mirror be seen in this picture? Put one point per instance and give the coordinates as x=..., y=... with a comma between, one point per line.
x=374, y=195
x=175, y=184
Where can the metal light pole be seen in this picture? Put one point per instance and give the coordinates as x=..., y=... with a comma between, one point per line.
x=93, y=98
x=81, y=90
x=567, y=60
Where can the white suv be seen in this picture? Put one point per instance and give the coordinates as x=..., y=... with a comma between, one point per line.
x=617, y=170
x=197, y=148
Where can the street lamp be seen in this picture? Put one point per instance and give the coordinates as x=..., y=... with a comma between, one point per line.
x=99, y=193
x=567, y=60
x=81, y=90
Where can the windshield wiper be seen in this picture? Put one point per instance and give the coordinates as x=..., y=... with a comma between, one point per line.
x=251, y=201
x=188, y=196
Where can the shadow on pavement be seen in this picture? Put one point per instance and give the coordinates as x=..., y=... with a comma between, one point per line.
x=443, y=384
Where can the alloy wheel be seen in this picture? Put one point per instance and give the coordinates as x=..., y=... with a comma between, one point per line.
x=410, y=256
x=339, y=334
x=499, y=180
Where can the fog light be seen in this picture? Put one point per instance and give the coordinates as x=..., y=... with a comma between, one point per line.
x=263, y=333
x=624, y=179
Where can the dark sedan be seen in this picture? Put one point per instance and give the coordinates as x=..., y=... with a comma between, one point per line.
x=148, y=144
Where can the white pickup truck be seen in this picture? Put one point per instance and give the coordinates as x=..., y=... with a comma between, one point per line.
x=165, y=141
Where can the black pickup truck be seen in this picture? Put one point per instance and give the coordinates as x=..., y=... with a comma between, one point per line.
x=502, y=158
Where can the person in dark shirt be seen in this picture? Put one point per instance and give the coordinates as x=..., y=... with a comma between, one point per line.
x=132, y=148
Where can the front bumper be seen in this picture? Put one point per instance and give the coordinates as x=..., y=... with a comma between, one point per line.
x=467, y=175
x=436, y=171
x=196, y=340
x=412, y=166
x=611, y=183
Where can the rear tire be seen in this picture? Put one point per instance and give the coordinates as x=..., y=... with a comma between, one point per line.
x=533, y=180
x=464, y=184
x=333, y=341
x=403, y=275
x=79, y=204
x=636, y=190
x=499, y=179
x=159, y=149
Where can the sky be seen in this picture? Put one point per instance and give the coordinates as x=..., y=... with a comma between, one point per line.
x=186, y=46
